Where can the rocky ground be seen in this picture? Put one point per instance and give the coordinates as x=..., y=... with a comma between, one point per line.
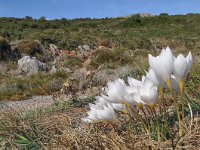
x=36, y=102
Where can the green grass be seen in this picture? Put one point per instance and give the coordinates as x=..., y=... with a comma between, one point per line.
x=131, y=32
x=40, y=84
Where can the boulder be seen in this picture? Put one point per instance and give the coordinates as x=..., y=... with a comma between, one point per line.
x=53, y=69
x=30, y=65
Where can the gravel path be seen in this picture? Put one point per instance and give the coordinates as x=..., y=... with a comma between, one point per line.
x=41, y=101
x=28, y=104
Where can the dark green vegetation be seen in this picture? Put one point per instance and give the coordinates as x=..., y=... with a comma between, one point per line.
x=131, y=32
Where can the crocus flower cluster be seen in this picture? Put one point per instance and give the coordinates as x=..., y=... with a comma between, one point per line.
x=166, y=71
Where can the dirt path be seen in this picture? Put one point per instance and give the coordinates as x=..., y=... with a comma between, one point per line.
x=36, y=102
x=28, y=104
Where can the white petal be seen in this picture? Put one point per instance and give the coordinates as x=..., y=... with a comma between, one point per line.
x=189, y=63
x=156, y=66
x=153, y=96
x=175, y=84
x=147, y=83
x=107, y=113
x=94, y=107
x=155, y=79
x=86, y=120
x=100, y=101
x=137, y=99
x=180, y=66
x=131, y=89
x=133, y=82
x=119, y=107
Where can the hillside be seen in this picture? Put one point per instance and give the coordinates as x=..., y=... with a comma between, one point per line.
x=50, y=70
x=128, y=32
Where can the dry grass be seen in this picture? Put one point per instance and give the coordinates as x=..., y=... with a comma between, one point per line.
x=63, y=129
x=60, y=126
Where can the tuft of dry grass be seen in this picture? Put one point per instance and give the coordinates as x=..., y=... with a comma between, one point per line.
x=63, y=129
x=60, y=126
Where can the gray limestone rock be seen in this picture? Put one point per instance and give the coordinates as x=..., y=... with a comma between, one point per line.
x=30, y=65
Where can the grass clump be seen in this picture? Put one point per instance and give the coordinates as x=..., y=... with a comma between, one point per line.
x=30, y=47
x=111, y=58
x=73, y=62
x=39, y=84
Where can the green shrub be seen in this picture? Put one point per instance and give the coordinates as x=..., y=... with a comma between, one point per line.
x=105, y=56
x=4, y=44
x=29, y=47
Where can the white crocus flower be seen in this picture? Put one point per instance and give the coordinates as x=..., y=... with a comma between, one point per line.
x=100, y=101
x=147, y=93
x=163, y=64
x=175, y=84
x=99, y=114
x=158, y=81
x=118, y=107
x=138, y=100
x=134, y=82
x=182, y=66
x=117, y=92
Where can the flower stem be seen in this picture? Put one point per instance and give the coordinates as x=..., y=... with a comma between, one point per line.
x=138, y=117
x=175, y=103
x=145, y=115
x=152, y=107
x=182, y=89
x=160, y=95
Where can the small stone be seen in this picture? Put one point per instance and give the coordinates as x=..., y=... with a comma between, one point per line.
x=86, y=47
x=67, y=70
x=53, y=69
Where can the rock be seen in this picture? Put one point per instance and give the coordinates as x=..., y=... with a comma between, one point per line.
x=86, y=47
x=42, y=66
x=67, y=70
x=53, y=69
x=80, y=48
x=29, y=66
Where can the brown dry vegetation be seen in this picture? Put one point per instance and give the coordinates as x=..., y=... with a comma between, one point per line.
x=59, y=127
